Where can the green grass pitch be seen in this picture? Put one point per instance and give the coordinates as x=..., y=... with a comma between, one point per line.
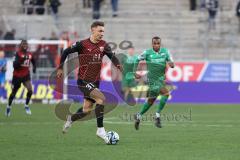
x=190, y=132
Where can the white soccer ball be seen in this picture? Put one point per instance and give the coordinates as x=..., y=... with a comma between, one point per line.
x=113, y=137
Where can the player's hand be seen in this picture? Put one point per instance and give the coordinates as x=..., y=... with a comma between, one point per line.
x=137, y=76
x=59, y=73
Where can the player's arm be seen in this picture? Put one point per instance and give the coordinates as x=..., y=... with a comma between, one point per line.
x=112, y=57
x=72, y=49
x=17, y=63
x=170, y=61
x=34, y=65
x=141, y=57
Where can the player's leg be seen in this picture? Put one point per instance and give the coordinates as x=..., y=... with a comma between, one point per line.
x=16, y=84
x=126, y=91
x=144, y=109
x=28, y=85
x=164, y=97
x=81, y=113
x=99, y=97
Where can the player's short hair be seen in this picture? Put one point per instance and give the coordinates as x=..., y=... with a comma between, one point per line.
x=23, y=41
x=156, y=37
x=97, y=23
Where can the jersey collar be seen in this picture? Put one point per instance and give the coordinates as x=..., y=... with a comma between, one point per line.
x=158, y=51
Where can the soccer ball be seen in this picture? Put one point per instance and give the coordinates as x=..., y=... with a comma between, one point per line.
x=112, y=137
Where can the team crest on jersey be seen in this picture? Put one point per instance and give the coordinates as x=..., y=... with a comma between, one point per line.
x=101, y=49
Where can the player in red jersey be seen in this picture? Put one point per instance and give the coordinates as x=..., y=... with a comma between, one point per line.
x=21, y=74
x=90, y=53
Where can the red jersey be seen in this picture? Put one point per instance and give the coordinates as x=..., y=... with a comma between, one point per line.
x=23, y=61
x=90, y=58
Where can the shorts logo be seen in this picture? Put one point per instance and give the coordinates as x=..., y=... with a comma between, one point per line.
x=89, y=85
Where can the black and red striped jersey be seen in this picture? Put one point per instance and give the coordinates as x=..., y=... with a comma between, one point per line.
x=90, y=58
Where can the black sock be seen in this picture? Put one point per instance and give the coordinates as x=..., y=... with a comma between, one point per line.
x=11, y=97
x=29, y=95
x=99, y=111
x=78, y=115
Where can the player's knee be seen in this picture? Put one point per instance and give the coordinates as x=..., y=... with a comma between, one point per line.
x=86, y=110
x=166, y=94
x=101, y=100
x=150, y=101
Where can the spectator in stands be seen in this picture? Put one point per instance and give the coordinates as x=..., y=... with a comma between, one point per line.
x=87, y=4
x=53, y=36
x=54, y=4
x=202, y=4
x=96, y=9
x=39, y=4
x=238, y=14
x=9, y=49
x=212, y=6
x=28, y=6
x=114, y=8
x=193, y=5
x=10, y=35
x=44, y=56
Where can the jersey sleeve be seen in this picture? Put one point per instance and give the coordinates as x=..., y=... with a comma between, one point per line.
x=16, y=63
x=169, y=56
x=108, y=51
x=142, y=56
x=139, y=58
x=76, y=47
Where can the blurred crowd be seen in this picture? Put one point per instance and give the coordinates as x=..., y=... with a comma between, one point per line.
x=46, y=55
x=212, y=7
x=41, y=7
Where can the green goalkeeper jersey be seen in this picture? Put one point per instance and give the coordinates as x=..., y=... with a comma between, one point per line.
x=156, y=64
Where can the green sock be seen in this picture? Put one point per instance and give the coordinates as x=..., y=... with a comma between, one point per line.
x=162, y=103
x=144, y=108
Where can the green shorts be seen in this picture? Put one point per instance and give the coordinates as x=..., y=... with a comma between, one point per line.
x=128, y=83
x=154, y=88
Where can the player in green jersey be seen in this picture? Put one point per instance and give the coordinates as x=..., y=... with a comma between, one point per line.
x=157, y=59
x=128, y=78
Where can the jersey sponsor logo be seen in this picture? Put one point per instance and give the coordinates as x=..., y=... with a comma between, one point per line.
x=101, y=49
x=97, y=57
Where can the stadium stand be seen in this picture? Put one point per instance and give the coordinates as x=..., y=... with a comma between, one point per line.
x=185, y=32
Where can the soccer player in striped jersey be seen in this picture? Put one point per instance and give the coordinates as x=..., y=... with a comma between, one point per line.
x=90, y=54
x=21, y=75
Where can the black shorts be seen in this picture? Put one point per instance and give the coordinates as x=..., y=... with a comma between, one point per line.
x=17, y=81
x=87, y=87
